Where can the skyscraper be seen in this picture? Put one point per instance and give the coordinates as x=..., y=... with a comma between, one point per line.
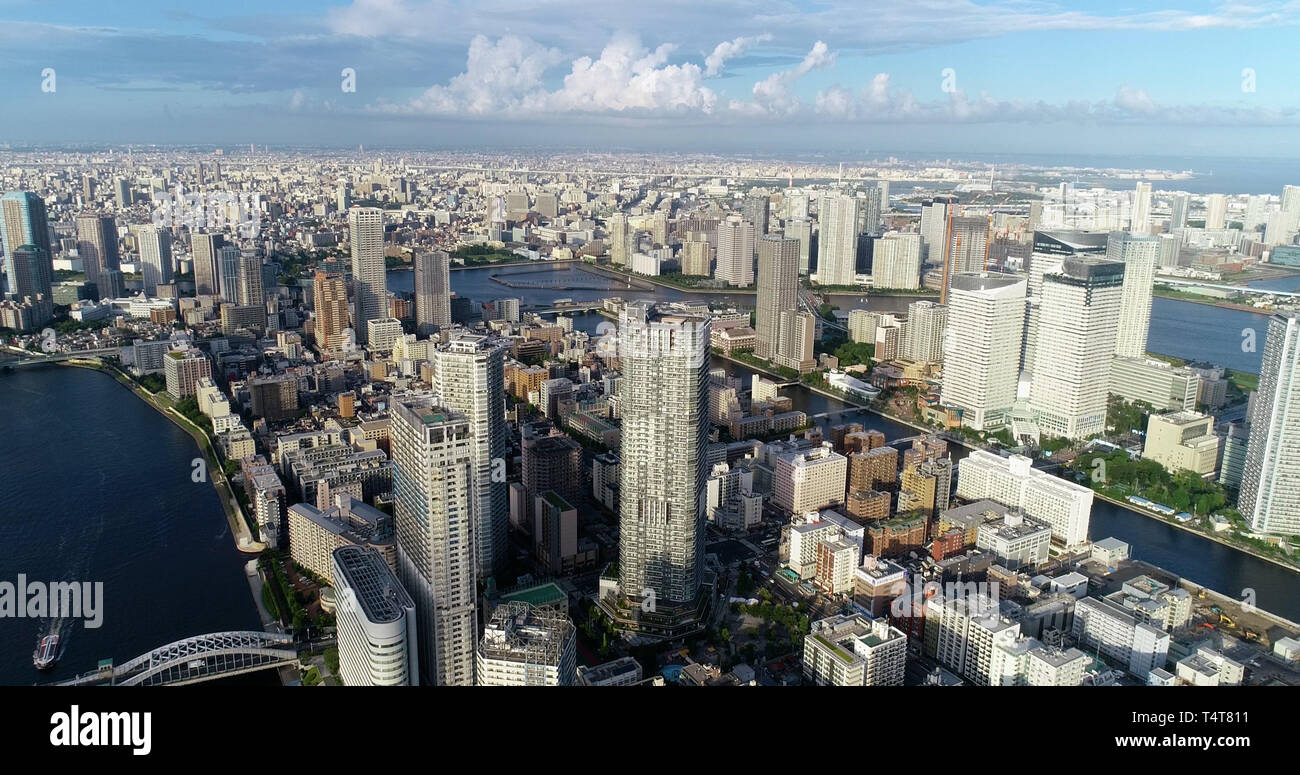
x=331, y=305
x=155, y=258
x=981, y=354
x=228, y=264
x=369, y=276
x=1077, y=328
x=778, y=289
x=1140, y=223
x=1268, y=484
x=32, y=273
x=97, y=247
x=1178, y=211
x=968, y=244
x=377, y=632
x=755, y=209
x=469, y=377
x=896, y=261
x=837, y=247
x=801, y=229
x=664, y=402
x=433, y=479
x=1216, y=211
x=620, y=239
x=23, y=221
x=1139, y=254
x=251, y=292
x=735, y=255
x=927, y=324
x=432, y=291
x=206, y=250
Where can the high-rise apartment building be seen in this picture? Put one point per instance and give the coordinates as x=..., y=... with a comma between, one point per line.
x=896, y=261
x=735, y=256
x=1272, y=469
x=251, y=291
x=801, y=229
x=837, y=245
x=97, y=248
x=369, y=274
x=1178, y=209
x=155, y=257
x=23, y=221
x=968, y=244
x=469, y=377
x=927, y=325
x=778, y=289
x=1076, y=342
x=851, y=650
x=1140, y=255
x=755, y=209
x=229, y=265
x=206, y=252
x=664, y=403
x=433, y=481
x=1216, y=211
x=982, y=347
x=331, y=305
x=1140, y=220
x=432, y=291
x=620, y=239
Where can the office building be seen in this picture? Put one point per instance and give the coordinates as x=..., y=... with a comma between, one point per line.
x=433, y=510
x=982, y=348
x=1182, y=441
x=1159, y=383
x=377, y=632
x=1272, y=468
x=527, y=645
x=369, y=274
x=432, y=291
x=809, y=480
x=1076, y=342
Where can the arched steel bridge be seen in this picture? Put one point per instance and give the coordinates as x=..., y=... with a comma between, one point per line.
x=195, y=659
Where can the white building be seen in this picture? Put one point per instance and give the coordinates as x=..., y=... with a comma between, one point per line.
x=981, y=353
x=433, y=488
x=526, y=645
x=896, y=261
x=1014, y=482
x=376, y=622
x=809, y=480
x=369, y=274
x=1139, y=254
x=1076, y=342
x=1118, y=635
x=735, y=255
x=1268, y=486
x=837, y=247
x=854, y=651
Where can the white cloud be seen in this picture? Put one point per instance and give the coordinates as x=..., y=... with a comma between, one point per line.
x=508, y=76
x=772, y=94
x=730, y=49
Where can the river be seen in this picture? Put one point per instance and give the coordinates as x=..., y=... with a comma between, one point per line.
x=96, y=486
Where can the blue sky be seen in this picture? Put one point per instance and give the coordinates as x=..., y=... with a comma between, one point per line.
x=1022, y=75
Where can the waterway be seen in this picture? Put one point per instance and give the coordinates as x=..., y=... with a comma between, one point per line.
x=96, y=486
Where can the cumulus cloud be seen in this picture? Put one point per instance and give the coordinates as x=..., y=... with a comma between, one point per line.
x=730, y=49
x=773, y=93
x=508, y=75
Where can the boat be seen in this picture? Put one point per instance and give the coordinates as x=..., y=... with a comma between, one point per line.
x=47, y=652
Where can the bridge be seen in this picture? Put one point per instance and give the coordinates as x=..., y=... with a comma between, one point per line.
x=29, y=358
x=196, y=659
x=594, y=306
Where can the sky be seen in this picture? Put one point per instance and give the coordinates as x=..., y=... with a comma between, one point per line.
x=1197, y=78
